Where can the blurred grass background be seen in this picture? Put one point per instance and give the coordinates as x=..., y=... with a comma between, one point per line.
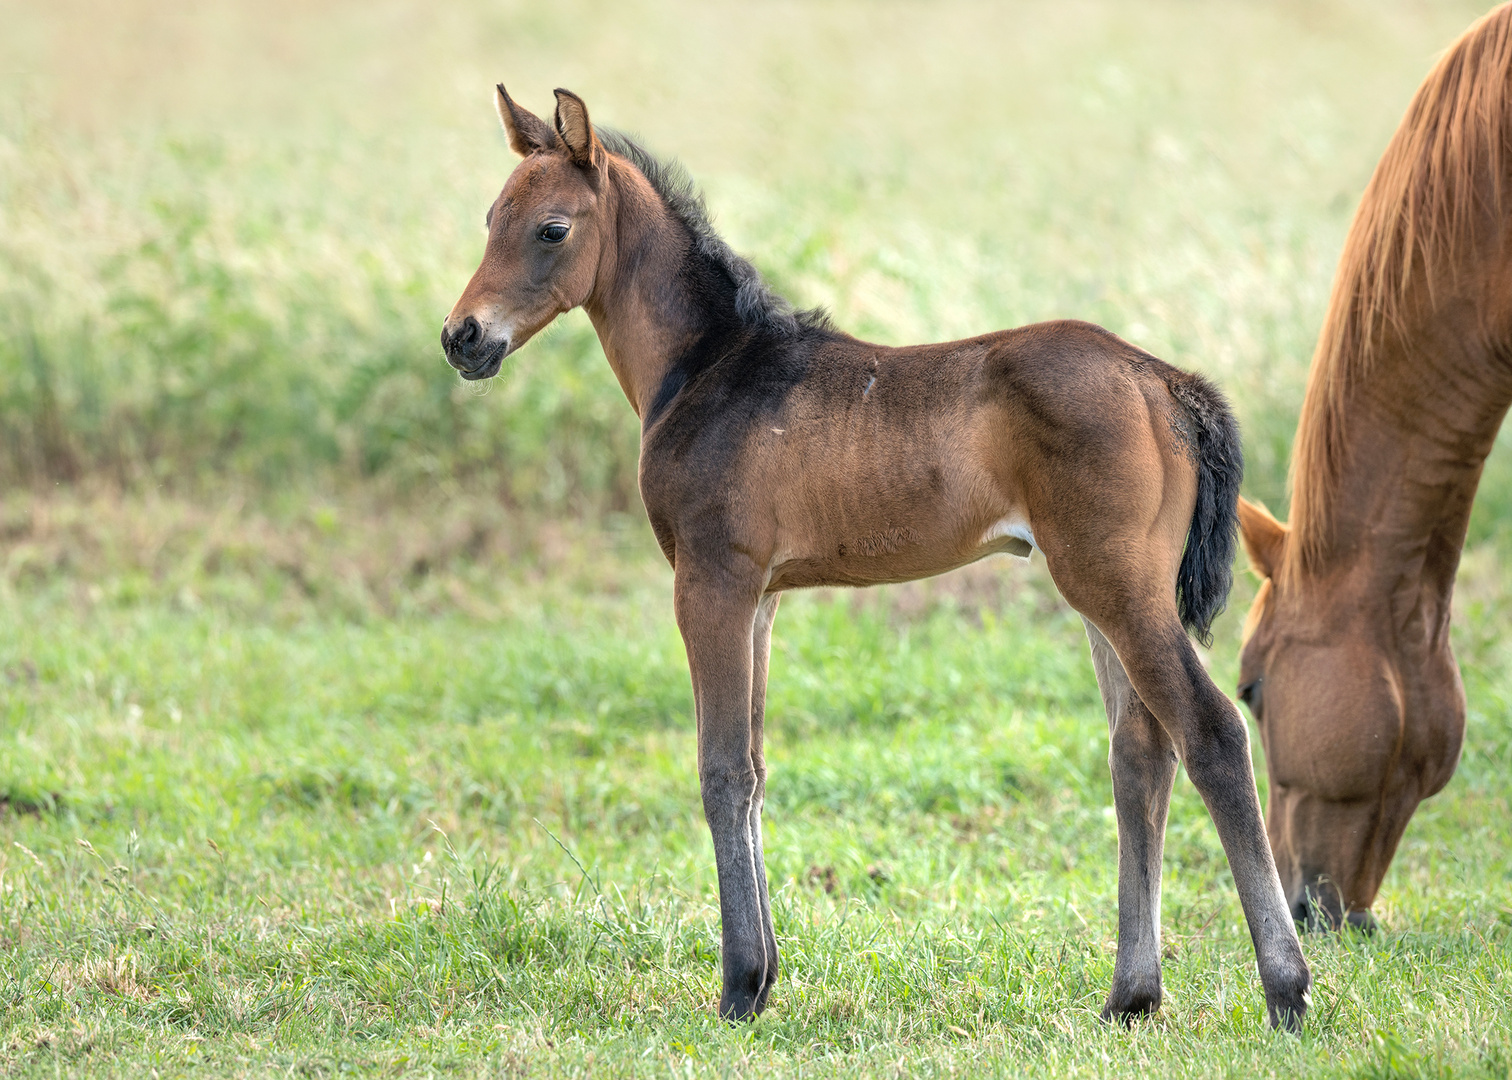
x=228, y=234
x=344, y=725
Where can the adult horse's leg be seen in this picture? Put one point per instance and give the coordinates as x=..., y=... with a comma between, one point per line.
x=761, y=649
x=1143, y=761
x=716, y=612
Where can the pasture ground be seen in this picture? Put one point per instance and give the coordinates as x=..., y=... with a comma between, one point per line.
x=343, y=724
x=454, y=829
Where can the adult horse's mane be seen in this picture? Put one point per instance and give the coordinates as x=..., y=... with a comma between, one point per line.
x=1445, y=168
x=755, y=303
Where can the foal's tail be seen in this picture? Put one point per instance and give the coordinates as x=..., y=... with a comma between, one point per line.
x=1207, y=564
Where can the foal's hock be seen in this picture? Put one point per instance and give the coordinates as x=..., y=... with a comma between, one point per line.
x=778, y=452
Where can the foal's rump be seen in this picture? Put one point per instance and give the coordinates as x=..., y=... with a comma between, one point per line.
x=1130, y=467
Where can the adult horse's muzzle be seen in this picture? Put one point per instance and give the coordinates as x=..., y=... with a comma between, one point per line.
x=1317, y=906
x=470, y=352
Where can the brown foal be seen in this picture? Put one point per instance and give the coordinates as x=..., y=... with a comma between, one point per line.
x=1346, y=664
x=779, y=453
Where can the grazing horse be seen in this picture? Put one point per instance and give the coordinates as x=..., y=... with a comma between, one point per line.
x=779, y=453
x=1346, y=664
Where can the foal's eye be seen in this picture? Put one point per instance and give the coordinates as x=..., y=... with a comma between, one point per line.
x=554, y=233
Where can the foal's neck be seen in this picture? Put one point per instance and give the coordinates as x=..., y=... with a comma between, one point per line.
x=641, y=305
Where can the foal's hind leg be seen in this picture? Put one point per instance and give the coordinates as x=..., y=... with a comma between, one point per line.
x=1143, y=761
x=1213, y=744
x=717, y=614
x=1125, y=588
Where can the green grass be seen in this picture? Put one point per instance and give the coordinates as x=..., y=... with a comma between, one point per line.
x=248, y=837
x=343, y=723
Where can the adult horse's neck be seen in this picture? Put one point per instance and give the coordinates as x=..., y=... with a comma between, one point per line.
x=642, y=304
x=1416, y=423
x=1414, y=365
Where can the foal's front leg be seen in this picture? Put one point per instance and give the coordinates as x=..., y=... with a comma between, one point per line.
x=717, y=614
x=761, y=650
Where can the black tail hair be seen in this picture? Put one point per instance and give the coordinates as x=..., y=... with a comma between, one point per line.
x=1207, y=565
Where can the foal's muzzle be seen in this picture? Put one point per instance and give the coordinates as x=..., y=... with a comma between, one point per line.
x=468, y=352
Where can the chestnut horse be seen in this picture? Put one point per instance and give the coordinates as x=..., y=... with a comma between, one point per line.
x=779, y=453
x=1346, y=665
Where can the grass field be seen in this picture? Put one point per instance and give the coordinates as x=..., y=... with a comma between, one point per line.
x=244, y=839
x=344, y=727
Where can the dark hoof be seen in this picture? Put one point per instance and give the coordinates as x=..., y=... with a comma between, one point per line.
x=740, y=1006
x=744, y=997
x=1127, y=1004
x=1287, y=1005
x=766, y=989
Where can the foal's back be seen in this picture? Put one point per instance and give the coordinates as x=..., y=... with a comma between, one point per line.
x=835, y=461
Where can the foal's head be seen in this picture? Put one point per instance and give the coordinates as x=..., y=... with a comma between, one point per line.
x=546, y=234
x=1358, y=725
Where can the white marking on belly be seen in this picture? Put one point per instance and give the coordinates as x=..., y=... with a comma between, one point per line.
x=1003, y=534
x=779, y=431
x=780, y=557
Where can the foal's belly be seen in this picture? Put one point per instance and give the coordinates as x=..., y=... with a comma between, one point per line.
x=912, y=480
x=890, y=541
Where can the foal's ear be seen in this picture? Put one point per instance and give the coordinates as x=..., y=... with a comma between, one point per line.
x=1264, y=537
x=573, y=126
x=527, y=132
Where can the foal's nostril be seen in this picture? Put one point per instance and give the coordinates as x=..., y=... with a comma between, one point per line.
x=467, y=338
x=464, y=340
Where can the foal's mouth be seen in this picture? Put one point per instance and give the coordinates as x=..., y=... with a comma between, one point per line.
x=485, y=368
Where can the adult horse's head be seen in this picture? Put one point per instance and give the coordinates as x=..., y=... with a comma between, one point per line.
x=544, y=238
x=1361, y=712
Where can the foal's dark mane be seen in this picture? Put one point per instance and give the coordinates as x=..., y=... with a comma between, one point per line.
x=755, y=304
